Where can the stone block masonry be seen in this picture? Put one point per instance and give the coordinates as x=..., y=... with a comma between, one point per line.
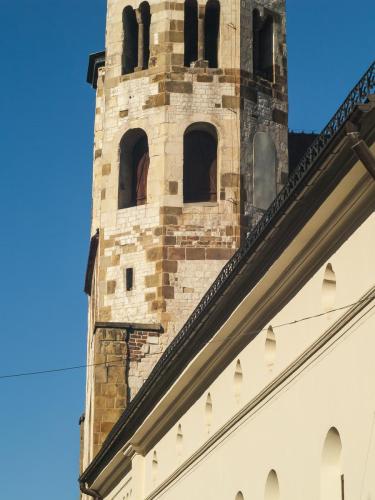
x=174, y=249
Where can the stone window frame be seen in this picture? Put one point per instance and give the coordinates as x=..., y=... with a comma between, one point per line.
x=264, y=15
x=130, y=138
x=200, y=49
x=210, y=128
x=138, y=58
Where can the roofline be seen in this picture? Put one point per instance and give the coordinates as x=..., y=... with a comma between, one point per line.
x=231, y=286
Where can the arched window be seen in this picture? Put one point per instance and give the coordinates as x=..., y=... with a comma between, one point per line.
x=130, y=46
x=212, y=32
x=272, y=490
x=239, y=496
x=332, y=477
x=263, y=45
x=200, y=163
x=191, y=32
x=134, y=165
x=144, y=35
x=264, y=180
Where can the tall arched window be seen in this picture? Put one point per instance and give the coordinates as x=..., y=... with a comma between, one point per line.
x=130, y=46
x=134, y=165
x=200, y=163
x=263, y=45
x=332, y=477
x=212, y=32
x=191, y=32
x=144, y=39
x=264, y=179
x=272, y=490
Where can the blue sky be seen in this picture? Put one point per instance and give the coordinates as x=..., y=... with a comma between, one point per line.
x=46, y=112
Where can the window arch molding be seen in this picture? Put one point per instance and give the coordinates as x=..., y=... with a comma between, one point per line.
x=134, y=162
x=200, y=162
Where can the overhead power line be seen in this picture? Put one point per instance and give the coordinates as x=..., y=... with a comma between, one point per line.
x=110, y=364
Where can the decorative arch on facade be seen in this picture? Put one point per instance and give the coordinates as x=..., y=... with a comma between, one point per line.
x=239, y=496
x=179, y=440
x=263, y=45
x=134, y=166
x=332, y=477
x=272, y=489
x=238, y=379
x=265, y=167
x=130, y=43
x=270, y=348
x=329, y=288
x=155, y=466
x=212, y=33
x=200, y=163
x=190, y=32
x=144, y=35
x=208, y=412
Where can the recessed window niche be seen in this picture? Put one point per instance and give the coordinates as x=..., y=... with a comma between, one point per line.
x=239, y=496
x=332, y=477
x=238, y=379
x=272, y=489
x=270, y=348
x=329, y=288
x=155, y=466
x=208, y=412
x=179, y=440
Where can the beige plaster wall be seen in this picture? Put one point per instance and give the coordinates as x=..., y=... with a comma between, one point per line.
x=285, y=432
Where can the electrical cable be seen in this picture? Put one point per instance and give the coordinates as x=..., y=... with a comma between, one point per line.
x=110, y=364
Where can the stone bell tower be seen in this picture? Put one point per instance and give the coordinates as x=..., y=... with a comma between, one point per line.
x=190, y=149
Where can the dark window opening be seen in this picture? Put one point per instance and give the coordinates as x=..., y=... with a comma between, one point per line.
x=212, y=33
x=191, y=32
x=263, y=46
x=130, y=47
x=129, y=278
x=144, y=9
x=342, y=487
x=200, y=163
x=134, y=165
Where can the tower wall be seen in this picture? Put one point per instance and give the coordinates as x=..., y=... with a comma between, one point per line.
x=175, y=249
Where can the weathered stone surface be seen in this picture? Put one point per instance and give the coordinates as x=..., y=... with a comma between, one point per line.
x=175, y=249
